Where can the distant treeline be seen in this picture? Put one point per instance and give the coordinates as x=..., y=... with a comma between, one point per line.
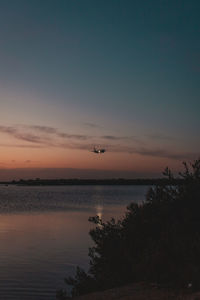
x=76, y=181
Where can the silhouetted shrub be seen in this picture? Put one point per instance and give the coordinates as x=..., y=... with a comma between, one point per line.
x=158, y=241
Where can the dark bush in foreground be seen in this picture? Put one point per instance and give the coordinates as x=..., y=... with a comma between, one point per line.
x=158, y=241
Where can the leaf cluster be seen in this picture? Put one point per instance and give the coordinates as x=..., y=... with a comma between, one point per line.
x=158, y=241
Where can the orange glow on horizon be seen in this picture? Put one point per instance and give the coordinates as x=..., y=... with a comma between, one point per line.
x=82, y=159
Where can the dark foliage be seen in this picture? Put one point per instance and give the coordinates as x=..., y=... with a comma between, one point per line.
x=158, y=241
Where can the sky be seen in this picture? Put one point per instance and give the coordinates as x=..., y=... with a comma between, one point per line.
x=117, y=74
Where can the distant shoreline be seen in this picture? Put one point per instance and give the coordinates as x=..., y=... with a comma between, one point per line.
x=119, y=181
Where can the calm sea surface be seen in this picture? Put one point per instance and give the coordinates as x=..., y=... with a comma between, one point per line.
x=44, y=233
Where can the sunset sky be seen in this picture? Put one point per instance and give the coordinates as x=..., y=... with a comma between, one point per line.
x=119, y=74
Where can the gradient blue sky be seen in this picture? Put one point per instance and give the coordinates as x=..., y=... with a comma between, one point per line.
x=120, y=74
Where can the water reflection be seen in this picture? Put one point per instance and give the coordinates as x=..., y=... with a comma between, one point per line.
x=98, y=200
x=99, y=211
x=44, y=234
x=38, y=250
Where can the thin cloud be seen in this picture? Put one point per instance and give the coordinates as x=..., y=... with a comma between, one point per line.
x=73, y=136
x=155, y=152
x=46, y=135
x=112, y=137
x=8, y=129
x=22, y=146
x=118, y=138
x=160, y=136
x=28, y=137
x=55, y=132
x=36, y=136
x=45, y=129
x=92, y=125
x=55, y=138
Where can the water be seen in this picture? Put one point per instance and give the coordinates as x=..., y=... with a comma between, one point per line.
x=44, y=233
